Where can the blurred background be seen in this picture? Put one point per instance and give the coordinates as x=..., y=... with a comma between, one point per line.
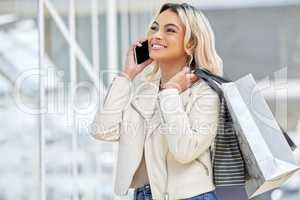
x=54, y=52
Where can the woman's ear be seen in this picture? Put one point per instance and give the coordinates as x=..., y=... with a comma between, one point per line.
x=191, y=44
x=189, y=51
x=190, y=47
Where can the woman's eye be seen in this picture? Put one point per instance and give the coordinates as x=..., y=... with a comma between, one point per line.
x=153, y=28
x=170, y=30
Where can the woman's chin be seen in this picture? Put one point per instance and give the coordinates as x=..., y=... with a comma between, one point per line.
x=157, y=57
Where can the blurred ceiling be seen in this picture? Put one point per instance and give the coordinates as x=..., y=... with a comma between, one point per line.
x=29, y=7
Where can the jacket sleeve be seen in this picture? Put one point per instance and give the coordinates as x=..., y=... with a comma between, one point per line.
x=108, y=119
x=188, y=136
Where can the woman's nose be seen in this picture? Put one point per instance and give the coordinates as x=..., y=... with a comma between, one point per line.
x=157, y=35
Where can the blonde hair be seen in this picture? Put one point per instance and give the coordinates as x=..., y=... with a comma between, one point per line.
x=198, y=36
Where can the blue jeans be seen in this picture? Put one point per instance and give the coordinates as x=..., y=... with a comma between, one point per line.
x=144, y=193
x=204, y=196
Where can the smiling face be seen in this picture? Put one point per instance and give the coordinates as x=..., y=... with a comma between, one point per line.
x=166, y=37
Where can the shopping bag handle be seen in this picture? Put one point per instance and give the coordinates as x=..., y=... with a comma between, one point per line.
x=214, y=82
x=218, y=79
x=292, y=145
x=211, y=79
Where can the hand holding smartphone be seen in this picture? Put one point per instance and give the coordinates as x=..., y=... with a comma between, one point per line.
x=137, y=59
x=142, y=53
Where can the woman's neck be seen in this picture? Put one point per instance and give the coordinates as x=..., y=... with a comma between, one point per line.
x=170, y=68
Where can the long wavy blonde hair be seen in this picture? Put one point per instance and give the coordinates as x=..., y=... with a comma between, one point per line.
x=198, y=36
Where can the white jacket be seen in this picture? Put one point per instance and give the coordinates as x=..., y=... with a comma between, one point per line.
x=176, y=130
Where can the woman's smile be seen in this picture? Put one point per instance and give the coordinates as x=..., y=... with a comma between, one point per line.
x=157, y=47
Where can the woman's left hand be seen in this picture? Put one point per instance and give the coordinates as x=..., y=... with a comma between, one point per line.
x=182, y=80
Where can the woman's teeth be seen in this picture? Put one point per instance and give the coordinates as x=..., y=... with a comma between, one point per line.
x=156, y=46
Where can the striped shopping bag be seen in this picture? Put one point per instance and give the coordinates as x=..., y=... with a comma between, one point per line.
x=228, y=164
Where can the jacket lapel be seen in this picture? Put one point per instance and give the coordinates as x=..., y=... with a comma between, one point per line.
x=144, y=100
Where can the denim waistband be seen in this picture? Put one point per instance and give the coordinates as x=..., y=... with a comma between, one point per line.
x=143, y=188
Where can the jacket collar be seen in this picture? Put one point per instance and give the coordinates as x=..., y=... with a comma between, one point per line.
x=146, y=93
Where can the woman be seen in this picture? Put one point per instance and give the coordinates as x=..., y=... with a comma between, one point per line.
x=165, y=120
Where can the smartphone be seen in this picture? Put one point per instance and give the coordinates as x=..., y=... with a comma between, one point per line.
x=142, y=53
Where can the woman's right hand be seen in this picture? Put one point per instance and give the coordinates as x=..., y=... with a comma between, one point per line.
x=131, y=69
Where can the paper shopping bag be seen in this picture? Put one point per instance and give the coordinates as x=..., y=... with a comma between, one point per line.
x=259, y=136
